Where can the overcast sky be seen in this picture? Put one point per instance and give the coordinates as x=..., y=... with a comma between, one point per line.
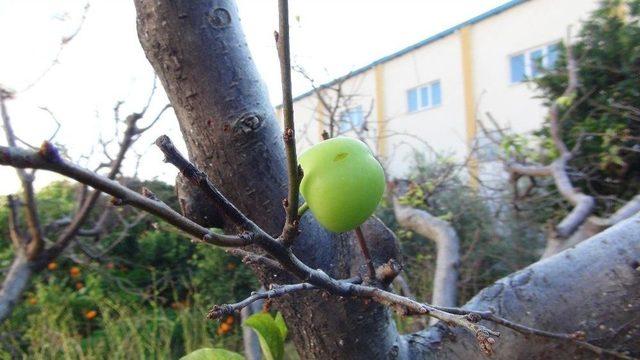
x=104, y=63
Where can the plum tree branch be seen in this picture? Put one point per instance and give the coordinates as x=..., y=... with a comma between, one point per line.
x=583, y=204
x=576, y=337
x=290, y=229
x=220, y=311
x=48, y=158
x=35, y=243
x=14, y=228
x=362, y=242
x=199, y=179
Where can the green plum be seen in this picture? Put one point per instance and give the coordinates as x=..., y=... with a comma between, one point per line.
x=342, y=184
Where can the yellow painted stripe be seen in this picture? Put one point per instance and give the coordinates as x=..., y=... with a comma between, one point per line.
x=380, y=115
x=319, y=118
x=469, y=100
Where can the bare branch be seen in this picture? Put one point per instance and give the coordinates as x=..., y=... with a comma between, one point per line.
x=290, y=229
x=35, y=242
x=362, y=242
x=63, y=42
x=629, y=209
x=253, y=258
x=14, y=227
x=276, y=291
x=583, y=204
x=529, y=170
x=198, y=178
x=576, y=337
x=447, y=244
x=49, y=159
x=155, y=120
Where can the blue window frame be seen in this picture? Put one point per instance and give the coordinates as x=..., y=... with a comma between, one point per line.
x=424, y=97
x=436, y=94
x=412, y=100
x=351, y=119
x=533, y=63
x=552, y=55
x=518, y=72
x=536, y=58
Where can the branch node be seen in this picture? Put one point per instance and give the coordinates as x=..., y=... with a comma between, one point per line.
x=473, y=317
x=49, y=152
x=149, y=194
x=117, y=201
x=219, y=311
x=288, y=135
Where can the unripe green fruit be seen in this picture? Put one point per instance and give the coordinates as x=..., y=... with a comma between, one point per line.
x=342, y=184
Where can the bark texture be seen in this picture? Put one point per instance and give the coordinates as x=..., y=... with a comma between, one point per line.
x=14, y=284
x=594, y=287
x=445, y=279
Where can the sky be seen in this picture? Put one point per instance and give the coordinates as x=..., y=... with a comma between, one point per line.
x=104, y=63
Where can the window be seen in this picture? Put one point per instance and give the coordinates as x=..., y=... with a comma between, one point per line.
x=424, y=97
x=351, y=119
x=533, y=63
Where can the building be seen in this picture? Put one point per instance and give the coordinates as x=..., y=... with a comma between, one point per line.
x=432, y=93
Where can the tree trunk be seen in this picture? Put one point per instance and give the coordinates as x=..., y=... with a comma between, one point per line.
x=14, y=284
x=594, y=287
x=445, y=278
x=199, y=53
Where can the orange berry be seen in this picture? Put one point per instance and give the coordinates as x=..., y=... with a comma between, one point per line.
x=52, y=266
x=74, y=271
x=79, y=285
x=225, y=327
x=219, y=331
x=229, y=320
x=33, y=301
x=231, y=266
x=90, y=314
x=110, y=266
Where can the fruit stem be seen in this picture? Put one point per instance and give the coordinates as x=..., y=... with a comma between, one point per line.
x=365, y=251
x=302, y=209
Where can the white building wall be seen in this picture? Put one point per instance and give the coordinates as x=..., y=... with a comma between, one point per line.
x=494, y=40
x=444, y=128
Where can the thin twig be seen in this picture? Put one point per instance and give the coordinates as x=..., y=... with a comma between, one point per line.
x=249, y=257
x=199, y=178
x=35, y=243
x=362, y=242
x=290, y=229
x=276, y=291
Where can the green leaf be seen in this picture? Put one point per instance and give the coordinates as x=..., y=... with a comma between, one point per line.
x=281, y=325
x=212, y=354
x=269, y=335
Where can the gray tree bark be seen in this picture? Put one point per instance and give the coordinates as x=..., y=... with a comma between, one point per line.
x=199, y=52
x=14, y=284
x=445, y=278
x=594, y=287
